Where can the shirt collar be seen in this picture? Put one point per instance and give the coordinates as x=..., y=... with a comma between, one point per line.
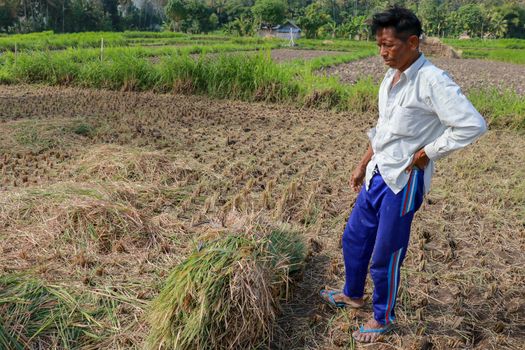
x=414, y=67
x=410, y=71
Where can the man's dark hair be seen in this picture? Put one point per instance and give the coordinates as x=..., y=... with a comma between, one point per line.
x=401, y=19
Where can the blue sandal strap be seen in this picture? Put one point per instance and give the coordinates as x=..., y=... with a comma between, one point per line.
x=372, y=330
x=331, y=299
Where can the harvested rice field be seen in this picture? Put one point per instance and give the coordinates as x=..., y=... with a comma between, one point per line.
x=279, y=55
x=469, y=73
x=283, y=55
x=105, y=193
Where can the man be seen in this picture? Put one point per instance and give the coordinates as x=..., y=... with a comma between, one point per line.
x=423, y=116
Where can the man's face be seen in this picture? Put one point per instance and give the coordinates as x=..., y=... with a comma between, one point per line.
x=396, y=53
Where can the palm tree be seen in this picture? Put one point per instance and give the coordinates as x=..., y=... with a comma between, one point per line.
x=498, y=24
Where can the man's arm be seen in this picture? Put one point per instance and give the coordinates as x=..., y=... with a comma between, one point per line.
x=463, y=121
x=358, y=175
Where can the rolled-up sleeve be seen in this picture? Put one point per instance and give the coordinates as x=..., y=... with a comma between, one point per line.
x=463, y=122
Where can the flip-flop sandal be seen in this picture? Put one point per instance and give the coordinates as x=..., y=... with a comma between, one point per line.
x=377, y=331
x=328, y=297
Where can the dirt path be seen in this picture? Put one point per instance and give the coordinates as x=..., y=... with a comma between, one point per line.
x=462, y=282
x=468, y=73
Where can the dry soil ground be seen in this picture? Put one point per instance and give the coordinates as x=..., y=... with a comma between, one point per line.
x=468, y=73
x=111, y=190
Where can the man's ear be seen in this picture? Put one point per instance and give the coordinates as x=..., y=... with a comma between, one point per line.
x=413, y=42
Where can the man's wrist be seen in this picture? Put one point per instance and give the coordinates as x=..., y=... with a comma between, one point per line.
x=362, y=165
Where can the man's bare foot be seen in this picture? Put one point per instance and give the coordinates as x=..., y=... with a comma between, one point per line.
x=338, y=299
x=369, y=332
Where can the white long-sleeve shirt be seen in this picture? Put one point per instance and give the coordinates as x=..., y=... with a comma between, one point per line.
x=425, y=109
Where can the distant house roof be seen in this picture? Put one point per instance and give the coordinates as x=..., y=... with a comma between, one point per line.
x=286, y=26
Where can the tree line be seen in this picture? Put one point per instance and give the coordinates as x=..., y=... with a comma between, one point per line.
x=317, y=19
x=66, y=16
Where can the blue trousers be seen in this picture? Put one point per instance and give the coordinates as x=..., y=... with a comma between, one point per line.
x=379, y=229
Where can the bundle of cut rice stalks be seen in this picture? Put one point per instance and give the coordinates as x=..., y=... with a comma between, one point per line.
x=37, y=315
x=226, y=294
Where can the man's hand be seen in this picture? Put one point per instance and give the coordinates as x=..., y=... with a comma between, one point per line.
x=420, y=161
x=358, y=175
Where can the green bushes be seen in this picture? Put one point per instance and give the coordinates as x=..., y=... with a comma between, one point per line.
x=125, y=72
x=42, y=67
x=246, y=77
x=249, y=78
